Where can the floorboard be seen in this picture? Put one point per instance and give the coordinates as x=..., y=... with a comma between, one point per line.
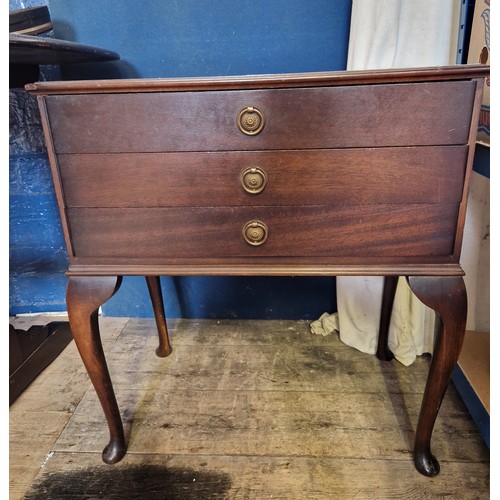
x=243, y=410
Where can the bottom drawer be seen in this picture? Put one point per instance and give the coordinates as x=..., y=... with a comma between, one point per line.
x=315, y=231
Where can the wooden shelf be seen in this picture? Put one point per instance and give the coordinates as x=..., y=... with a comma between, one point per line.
x=472, y=379
x=475, y=364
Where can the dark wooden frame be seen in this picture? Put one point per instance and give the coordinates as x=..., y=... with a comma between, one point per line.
x=31, y=351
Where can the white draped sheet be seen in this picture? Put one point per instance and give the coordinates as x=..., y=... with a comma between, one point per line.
x=392, y=34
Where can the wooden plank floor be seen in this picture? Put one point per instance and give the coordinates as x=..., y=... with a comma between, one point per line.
x=240, y=410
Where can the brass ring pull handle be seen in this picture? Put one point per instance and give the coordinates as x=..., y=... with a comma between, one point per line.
x=250, y=120
x=255, y=232
x=253, y=180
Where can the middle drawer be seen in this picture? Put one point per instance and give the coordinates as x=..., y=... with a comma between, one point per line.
x=425, y=174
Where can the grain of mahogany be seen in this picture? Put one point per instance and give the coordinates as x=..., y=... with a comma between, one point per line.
x=84, y=296
x=368, y=174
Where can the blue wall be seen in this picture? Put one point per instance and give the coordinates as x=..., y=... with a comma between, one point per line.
x=207, y=37
x=37, y=253
x=181, y=38
x=38, y=257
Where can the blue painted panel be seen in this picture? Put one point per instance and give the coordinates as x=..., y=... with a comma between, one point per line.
x=37, y=252
x=482, y=160
x=203, y=37
x=38, y=257
x=242, y=297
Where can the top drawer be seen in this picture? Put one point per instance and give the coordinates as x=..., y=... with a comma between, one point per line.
x=434, y=113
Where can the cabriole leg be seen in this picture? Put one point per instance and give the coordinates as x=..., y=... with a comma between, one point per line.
x=448, y=297
x=84, y=296
x=154, y=287
x=390, y=285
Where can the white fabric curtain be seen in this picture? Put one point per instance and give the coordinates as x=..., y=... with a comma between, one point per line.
x=403, y=33
x=392, y=34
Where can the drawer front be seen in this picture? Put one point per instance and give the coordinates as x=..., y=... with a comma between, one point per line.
x=311, y=177
x=355, y=231
x=325, y=117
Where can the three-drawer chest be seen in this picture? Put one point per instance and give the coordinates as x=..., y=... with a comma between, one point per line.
x=334, y=173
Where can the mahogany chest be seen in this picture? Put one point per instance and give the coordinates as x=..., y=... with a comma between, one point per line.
x=346, y=173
